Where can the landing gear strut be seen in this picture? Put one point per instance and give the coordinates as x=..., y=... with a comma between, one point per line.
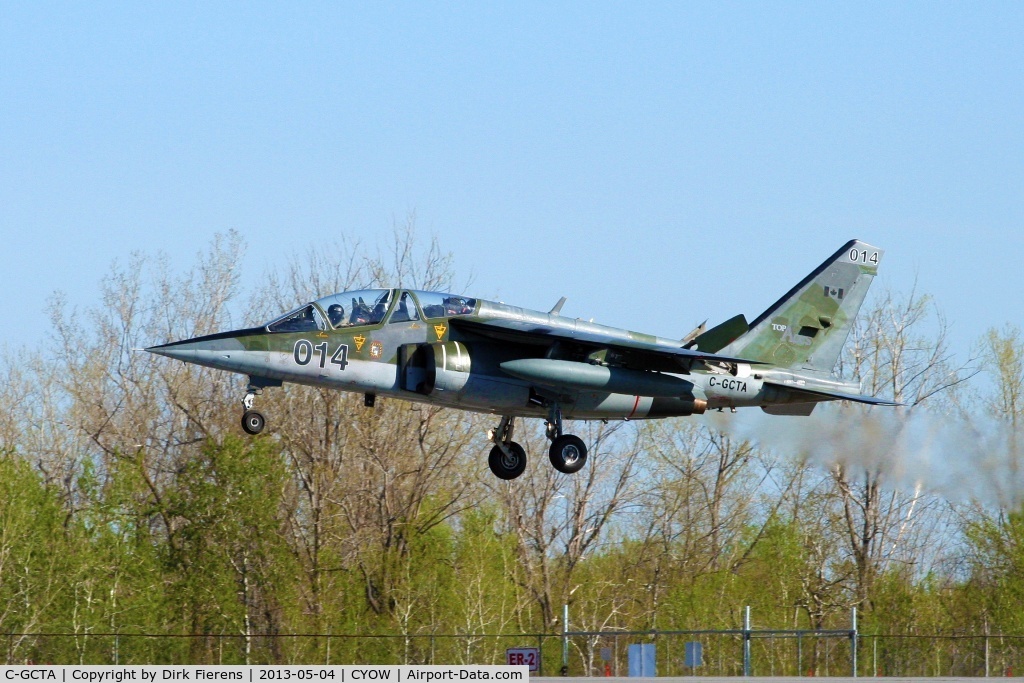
x=507, y=459
x=252, y=421
x=568, y=453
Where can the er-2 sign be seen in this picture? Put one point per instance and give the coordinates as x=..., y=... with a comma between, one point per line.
x=518, y=656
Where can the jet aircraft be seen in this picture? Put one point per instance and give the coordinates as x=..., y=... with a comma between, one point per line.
x=489, y=357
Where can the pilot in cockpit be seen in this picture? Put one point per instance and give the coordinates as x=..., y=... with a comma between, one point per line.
x=336, y=314
x=361, y=312
x=457, y=305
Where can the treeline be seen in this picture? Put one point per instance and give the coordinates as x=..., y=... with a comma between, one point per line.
x=132, y=503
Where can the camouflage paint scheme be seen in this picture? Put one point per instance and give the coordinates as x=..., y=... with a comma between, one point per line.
x=490, y=357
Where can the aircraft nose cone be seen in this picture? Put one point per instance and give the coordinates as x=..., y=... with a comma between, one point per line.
x=224, y=350
x=183, y=351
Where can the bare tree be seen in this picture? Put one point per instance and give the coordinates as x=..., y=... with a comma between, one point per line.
x=708, y=499
x=370, y=479
x=548, y=511
x=899, y=348
x=1002, y=357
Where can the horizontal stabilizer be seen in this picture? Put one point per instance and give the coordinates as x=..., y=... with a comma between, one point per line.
x=827, y=395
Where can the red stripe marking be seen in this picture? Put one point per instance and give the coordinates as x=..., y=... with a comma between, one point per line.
x=636, y=404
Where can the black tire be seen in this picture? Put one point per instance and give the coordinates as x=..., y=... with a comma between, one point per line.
x=507, y=466
x=568, y=454
x=253, y=422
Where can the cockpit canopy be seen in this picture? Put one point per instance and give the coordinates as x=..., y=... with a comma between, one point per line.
x=362, y=307
x=370, y=307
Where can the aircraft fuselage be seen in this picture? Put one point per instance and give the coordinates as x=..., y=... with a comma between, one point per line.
x=490, y=357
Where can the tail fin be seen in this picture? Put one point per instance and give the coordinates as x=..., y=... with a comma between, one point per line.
x=808, y=326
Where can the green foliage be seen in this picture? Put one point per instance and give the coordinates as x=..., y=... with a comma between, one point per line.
x=230, y=568
x=35, y=549
x=997, y=573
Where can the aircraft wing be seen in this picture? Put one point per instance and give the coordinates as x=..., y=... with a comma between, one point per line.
x=824, y=394
x=638, y=354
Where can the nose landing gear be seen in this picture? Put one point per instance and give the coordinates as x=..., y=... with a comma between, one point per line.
x=252, y=421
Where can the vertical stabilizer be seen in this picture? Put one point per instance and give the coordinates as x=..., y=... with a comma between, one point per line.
x=806, y=328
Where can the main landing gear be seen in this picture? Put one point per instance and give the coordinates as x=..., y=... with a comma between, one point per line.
x=507, y=460
x=568, y=453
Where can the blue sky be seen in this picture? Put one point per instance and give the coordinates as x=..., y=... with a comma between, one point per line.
x=657, y=163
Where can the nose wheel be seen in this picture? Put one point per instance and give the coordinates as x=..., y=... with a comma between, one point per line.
x=252, y=421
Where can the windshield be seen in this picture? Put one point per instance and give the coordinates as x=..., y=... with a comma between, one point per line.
x=305, y=319
x=362, y=307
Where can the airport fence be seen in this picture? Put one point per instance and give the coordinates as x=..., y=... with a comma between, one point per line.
x=723, y=652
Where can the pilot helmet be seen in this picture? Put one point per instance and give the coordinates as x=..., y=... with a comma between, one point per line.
x=336, y=312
